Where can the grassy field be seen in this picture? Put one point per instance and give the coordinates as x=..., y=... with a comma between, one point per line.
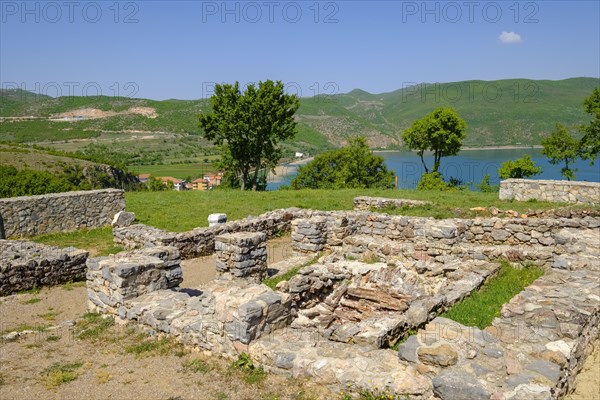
x=99, y=242
x=182, y=211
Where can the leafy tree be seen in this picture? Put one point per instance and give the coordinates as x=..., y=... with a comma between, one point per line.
x=441, y=131
x=590, y=142
x=560, y=147
x=248, y=126
x=156, y=185
x=523, y=167
x=353, y=166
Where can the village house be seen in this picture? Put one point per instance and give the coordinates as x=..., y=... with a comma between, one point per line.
x=143, y=178
x=178, y=184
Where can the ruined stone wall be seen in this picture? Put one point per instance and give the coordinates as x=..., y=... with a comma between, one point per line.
x=201, y=241
x=365, y=203
x=58, y=212
x=479, y=231
x=553, y=191
x=242, y=255
x=113, y=280
x=25, y=265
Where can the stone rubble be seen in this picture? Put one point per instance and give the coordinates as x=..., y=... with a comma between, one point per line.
x=25, y=265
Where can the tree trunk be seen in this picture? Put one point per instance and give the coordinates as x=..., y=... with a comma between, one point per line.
x=436, y=161
x=423, y=162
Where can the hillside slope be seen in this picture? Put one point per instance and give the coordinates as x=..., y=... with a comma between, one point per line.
x=505, y=112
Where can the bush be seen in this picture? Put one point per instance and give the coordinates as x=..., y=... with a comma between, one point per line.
x=486, y=187
x=351, y=167
x=433, y=181
x=523, y=167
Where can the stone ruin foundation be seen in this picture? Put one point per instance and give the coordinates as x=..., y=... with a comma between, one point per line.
x=377, y=279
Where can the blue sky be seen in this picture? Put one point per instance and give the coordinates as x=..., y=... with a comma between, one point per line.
x=179, y=49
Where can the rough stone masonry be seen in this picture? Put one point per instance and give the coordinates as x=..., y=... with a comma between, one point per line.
x=58, y=212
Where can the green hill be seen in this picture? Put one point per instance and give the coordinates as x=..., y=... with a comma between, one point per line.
x=505, y=112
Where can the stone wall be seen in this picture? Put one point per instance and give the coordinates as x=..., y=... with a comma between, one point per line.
x=552, y=191
x=25, y=265
x=58, y=212
x=242, y=255
x=415, y=230
x=365, y=203
x=201, y=241
x=113, y=280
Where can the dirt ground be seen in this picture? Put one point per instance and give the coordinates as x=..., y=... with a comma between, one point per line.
x=588, y=380
x=106, y=367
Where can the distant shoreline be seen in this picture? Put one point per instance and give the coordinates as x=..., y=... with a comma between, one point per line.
x=468, y=148
x=282, y=169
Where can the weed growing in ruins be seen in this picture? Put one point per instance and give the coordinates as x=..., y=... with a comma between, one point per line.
x=369, y=258
x=252, y=373
x=196, y=365
x=72, y=285
x=103, y=376
x=53, y=338
x=59, y=374
x=2, y=380
x=273, y=281
x=93, y=326
x=146, y=346
x=34, y=290
x=33, y=300
x=377, y=394
x=481, y=307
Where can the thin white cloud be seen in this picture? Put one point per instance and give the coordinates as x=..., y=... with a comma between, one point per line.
x=510, y=37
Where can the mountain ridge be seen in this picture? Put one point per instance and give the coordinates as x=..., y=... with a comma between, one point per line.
x=500, y=112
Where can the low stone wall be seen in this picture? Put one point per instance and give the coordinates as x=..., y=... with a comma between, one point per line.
x=113, y=280
x=25, y=265
x=365, y=203
x=201, y=241
x=552, y=191
x=242, y=255
x=58, y=212
x=479, y=231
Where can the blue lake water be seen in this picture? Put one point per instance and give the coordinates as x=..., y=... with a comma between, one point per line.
x=469, y=166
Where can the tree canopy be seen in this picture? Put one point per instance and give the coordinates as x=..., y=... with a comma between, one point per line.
x=523, y=167
x=441, y=131
x=561, y=146
x=353, y=166
x=248, y=127
x=590, y=142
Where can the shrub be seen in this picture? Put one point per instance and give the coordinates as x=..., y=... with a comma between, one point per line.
x=433, y=181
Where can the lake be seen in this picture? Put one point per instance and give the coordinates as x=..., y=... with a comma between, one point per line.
x=469, y=166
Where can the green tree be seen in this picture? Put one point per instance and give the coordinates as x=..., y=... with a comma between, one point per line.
x=353, y=166
x=590, y=142
x=523, y=167
x=248, y=127
x=441, y=131
x=561, y=147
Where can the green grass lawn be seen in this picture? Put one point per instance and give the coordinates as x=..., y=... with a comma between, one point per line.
x=99, y=242
x=481, y=307
x=182, y=211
